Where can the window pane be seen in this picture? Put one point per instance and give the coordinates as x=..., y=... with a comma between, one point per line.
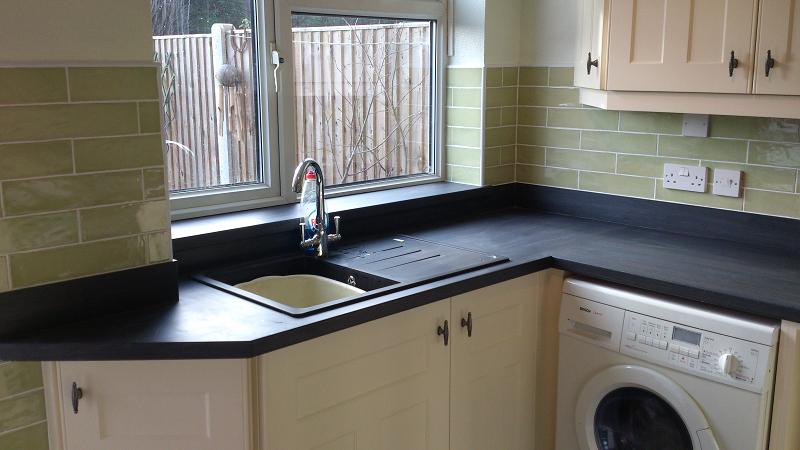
x=362, y=96
x=206, y=52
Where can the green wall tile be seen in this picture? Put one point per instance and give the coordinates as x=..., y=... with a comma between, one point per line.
x=578, y=159
x=159, y=246
x=533, y=76
x=464, y=77
x=547, y=176
x=758, y=177
x=651, y=122
x=645, y=144
x=18, y=377
x=45, y=266
x=43, y=122
x=617, y=184
x=464, y=156
x=35, y=159
x=464, y=117
x=31, y=232
x=467, y=175
x=698, y=198
x=774, y=154
x=466, y=97
x=509, y=115
x=33, y=85
x=510, y=76
x=149, y=117
x=154, y=183
x=500, y=156
x=28, y=438
x=773, y=203
x=501, y=96
x=527, y=154
x=703, y=148
x=492, y=117
x=499, y=175
x=94, y=155
x=500, y=136
x=548, y=137
x=21, y=410
x=5, y=283
x=508, y=154
x=113, y=83
x=69, y=192
x=597, y=119
x=761, y=128
x=494, y=77
x=121, y=220
x=531, y=115
x=648, y=166
x=547, y=96
x=561, y=76
x=465, y=137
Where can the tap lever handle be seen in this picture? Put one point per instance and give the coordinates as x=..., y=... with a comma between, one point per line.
x=302, y=232
x=337, y=221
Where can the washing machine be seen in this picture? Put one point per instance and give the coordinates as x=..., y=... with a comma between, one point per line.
x=638, y=371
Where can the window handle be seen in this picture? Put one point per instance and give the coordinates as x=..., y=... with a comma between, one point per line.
x=277, y=60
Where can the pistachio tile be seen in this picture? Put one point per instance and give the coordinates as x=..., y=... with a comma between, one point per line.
x=36, y=159
x=154, y=183
x=508, y=154
x=113, y=83
x=45, y=266
x=703, y=148
x=509, y=115
x=547, y=176
x=648, y=166
x=651, y=122
x=466, y=97
x=494, y=77
x=645, y=144
x=32, y=85
x=561, y=76
x=121, y=220
x=501, y=96
x=464, y=156
x=527, y=154
x=43, y=122
x=548, y=137
x=698, y=198
x=18, y=377
x=579, y=159
x=528, y=115
x=617, y=184
x=759, y=177
x=465, y=137
x=596, y=119
x=533, y=76
x=772, y=203
x=464, y=77
x=99, y=154
x=69, y=192
x=774, y=154
x=22, y=410
x=465, y=175
x=464, y=117
x=760, y=128
x=5, y=282
x=159, y=247
x=29, y=438
x=149, y=117
x=492, y=156
x=493, y=117
x=499, y=175
x=32, y=232
x=500, y=136
x=510, y=76
x=547, y=96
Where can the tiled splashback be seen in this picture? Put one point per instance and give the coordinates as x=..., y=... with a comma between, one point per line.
x=81, y=173
x=22, y=407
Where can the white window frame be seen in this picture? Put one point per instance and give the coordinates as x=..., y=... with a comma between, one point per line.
x=273, y=28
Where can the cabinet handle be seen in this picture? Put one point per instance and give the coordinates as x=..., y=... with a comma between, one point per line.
x=732, y=64
x=467, y=323
x=591, y=62
x=77, y=395
x=444, y=331
x=770, y=64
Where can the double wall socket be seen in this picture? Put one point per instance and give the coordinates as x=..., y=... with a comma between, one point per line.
x=685, y=178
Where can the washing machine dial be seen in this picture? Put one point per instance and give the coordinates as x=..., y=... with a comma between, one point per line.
x=728, y=364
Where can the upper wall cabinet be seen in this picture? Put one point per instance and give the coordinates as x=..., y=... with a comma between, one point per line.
x=777, y=65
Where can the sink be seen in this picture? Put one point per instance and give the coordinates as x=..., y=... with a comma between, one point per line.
x=299, y=291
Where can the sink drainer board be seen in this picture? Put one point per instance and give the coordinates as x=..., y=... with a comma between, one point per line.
x=376, y=266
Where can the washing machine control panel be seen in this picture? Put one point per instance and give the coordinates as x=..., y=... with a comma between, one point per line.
x=703, y=353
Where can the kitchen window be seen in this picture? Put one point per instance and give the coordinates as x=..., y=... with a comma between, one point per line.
x=251, y=89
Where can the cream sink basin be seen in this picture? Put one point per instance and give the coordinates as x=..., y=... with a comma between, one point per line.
x=299, y=291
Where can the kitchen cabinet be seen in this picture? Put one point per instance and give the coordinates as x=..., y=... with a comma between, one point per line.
x=591, y=43
x=784, y=433
x=778, y=42
x=132, y=405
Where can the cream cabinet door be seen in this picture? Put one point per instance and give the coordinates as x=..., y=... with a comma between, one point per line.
x=778, y=39
x=591, y=43
x=784, y=434
x=378, y=386
x=681, y=45
x=157, y=405
x=493, y=371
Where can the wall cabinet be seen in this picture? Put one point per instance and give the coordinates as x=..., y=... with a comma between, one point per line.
x=779, y=48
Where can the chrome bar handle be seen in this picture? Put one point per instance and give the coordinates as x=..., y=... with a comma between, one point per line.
x=302, y=232
x=337, y=235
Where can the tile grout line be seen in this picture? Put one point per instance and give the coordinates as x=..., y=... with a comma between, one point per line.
x=20, y=428
x=22, y=394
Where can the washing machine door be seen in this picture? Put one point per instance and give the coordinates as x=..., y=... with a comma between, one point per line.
x=635, y=408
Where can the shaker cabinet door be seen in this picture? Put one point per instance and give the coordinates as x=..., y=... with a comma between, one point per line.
x=590, y=57
x=777, y=64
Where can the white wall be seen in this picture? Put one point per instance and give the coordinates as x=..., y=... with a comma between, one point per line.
x=548, y=32
x=469, y=27
x=502, y=42
x=75, y=31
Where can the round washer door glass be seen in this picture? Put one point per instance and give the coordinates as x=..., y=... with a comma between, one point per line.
x=632, y=418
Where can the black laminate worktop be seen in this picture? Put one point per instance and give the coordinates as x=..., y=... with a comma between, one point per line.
x=207, y=323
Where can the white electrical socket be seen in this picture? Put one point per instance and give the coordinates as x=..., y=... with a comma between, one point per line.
x=685, y=178
x=727, y=182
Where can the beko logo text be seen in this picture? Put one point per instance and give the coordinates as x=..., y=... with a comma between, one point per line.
x=585, y=309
